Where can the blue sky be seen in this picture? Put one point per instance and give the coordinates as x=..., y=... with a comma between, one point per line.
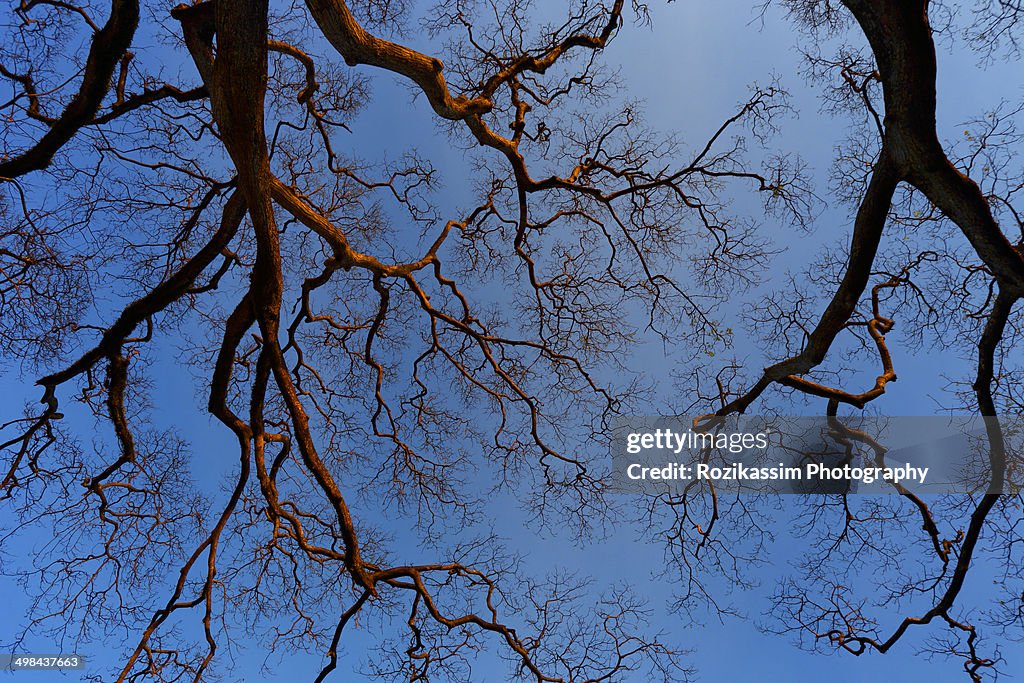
x=690, y=69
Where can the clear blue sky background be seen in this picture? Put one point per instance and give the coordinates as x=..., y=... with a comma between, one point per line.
x=690, y=69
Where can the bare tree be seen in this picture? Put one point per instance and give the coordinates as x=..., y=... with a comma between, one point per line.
x=371, y=347
x=347, y=353
x=936, y=247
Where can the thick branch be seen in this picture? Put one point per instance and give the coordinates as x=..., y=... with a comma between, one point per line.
x=108, y=46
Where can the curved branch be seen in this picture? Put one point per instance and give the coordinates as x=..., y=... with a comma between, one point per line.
x=109, y=44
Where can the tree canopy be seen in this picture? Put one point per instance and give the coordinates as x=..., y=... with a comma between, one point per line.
x=390, y=351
